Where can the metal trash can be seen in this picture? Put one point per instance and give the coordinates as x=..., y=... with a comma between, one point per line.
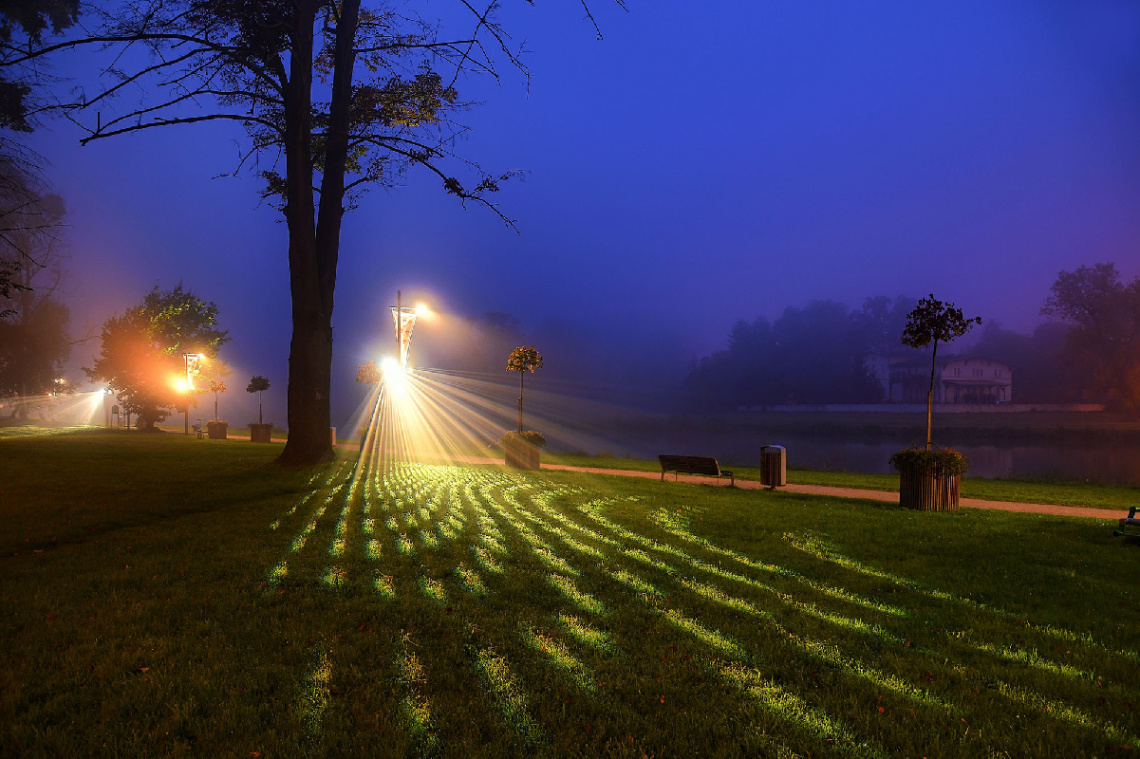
x=773, y=466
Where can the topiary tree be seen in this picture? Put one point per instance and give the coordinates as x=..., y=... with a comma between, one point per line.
x=369, y=373
x=933, y=321
x=216, y=386
x=522, y=360
x=258, y=384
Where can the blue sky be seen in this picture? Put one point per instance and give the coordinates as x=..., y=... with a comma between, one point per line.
x=702, y=163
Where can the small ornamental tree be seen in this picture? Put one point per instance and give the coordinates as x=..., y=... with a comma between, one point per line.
x=216, y=386
x=522, y=360
x=369, y=373
x=258, y=384
x=933, y=321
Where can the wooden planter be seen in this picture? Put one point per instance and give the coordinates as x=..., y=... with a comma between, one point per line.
x=217, y=430
x=521, y=454
x=925, y=488
x=260, y=433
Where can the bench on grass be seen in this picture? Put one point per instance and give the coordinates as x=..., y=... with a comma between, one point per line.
x=1130, y=525
x=693, y=465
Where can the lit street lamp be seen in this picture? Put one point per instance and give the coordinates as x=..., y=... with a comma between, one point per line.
x=191, y=361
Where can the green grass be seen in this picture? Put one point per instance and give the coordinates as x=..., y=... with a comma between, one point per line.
x=1061, y=493
x=166, y=596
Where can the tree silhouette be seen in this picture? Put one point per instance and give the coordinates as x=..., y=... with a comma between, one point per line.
x=258, y=384
x=1104, y=339
x=933, y=321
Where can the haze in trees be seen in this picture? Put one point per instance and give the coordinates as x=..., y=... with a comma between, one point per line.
x=1104, y=338
x=142, y=351
x=34, y=337
x=813, y=354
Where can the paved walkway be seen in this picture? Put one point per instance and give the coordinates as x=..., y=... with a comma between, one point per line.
x=870, y=495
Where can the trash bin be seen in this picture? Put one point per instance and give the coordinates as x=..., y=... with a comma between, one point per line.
x=773, y=466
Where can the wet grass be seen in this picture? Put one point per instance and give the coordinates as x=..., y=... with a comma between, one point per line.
x=165, y=596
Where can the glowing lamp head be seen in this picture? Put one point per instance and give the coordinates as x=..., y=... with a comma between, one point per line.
x=393, y=373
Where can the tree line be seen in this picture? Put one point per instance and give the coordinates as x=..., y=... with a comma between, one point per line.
x=1087, y=351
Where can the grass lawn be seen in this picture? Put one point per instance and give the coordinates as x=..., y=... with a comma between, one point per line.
x=167, y=596
x=1022, y=491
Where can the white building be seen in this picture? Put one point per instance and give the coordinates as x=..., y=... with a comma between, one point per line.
x=957, y=379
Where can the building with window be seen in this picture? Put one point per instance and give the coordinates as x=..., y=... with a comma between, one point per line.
x=905, y=378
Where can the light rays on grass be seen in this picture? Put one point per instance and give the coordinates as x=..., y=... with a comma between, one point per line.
x=467, y=539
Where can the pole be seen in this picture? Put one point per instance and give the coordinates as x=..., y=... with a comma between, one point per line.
x=399, y=330
x=522, y=376
x=186, y=418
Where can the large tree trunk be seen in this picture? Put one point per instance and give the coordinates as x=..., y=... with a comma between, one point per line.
x=314, y=241
x=310, y=349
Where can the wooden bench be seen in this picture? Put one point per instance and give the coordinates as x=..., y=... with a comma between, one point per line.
x=1130, y=525
x=693, y=465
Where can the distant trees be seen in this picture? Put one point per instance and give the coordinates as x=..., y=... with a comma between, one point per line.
x=34, y=326
x=142, y=351
x=1104, y=337
x=1040, y=373
x=813, y=354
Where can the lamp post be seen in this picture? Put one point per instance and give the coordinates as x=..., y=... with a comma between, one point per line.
x=191, y=362
x=405, y=321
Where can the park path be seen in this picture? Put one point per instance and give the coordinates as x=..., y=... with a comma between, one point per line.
x=883, y=496
x=886, y=496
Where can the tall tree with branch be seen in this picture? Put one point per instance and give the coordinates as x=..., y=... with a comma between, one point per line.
x=933, y=321
x=334, y=95
x=1103, y=312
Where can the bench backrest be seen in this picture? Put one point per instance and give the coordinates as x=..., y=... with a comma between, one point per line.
x=689, y=464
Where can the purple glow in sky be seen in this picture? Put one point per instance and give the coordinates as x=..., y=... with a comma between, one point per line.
x=703, y=163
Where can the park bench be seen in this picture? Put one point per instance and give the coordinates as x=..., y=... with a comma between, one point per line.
x=693, y=465
x=1130, y=525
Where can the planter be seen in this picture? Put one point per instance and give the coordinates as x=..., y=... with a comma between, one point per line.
x=929, y=480
x=217, y=430
x=521, y=454
x=924, y=488
x=260, y=433
x=522, y=449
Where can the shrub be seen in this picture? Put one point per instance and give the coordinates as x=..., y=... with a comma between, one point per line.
x=941, y=460
x=533, y=437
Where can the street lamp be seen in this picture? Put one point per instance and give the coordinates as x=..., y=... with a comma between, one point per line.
x=191, y=360
x=405, y=320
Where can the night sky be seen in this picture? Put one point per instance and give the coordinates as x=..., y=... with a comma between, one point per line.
x=701, y=164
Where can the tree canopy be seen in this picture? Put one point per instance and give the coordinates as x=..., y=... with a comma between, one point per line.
x=142, y=351
x=933, y=322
